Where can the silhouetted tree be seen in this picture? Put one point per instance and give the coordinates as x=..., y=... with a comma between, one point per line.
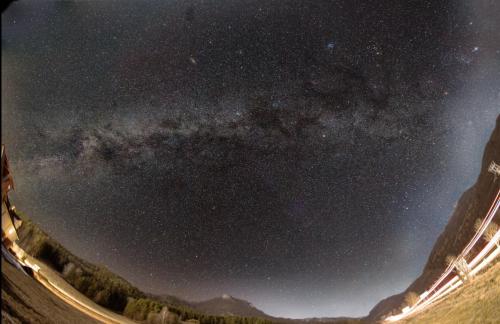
x=460, y=265
x=411, y=298
x=491, y=231
x=450, y=259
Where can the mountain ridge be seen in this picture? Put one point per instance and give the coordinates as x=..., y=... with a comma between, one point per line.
x=229, y=305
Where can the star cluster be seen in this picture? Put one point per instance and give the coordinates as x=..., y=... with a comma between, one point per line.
x=302, y=155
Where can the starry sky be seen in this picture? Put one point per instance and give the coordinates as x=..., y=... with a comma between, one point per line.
x=301, y=155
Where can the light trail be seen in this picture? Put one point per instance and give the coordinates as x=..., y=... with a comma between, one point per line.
x=64, y=291
x=484, y=224
x=73, y=302
x=481, y=260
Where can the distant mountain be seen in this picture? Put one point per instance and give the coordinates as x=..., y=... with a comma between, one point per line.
x=125, y=299
x=170, y=300
x=473, y=204
x=37, y=243
x=222, y=306
x=228, y=305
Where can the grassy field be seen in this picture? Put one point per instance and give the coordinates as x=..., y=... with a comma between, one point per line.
x=477, y=302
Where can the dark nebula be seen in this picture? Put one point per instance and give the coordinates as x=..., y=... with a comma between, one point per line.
x=302, y=155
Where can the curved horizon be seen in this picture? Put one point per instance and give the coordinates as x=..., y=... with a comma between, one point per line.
x=300, y=156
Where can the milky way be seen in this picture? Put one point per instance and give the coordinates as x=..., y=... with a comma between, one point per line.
x=301, y=155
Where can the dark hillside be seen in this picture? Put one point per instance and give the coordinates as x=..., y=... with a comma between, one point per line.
x=115, y=293
x=228, y=305
x=473, y=204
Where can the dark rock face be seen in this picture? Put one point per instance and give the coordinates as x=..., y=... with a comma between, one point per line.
x=473, y=204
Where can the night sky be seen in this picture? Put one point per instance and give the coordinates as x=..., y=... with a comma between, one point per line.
x=301, y=155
